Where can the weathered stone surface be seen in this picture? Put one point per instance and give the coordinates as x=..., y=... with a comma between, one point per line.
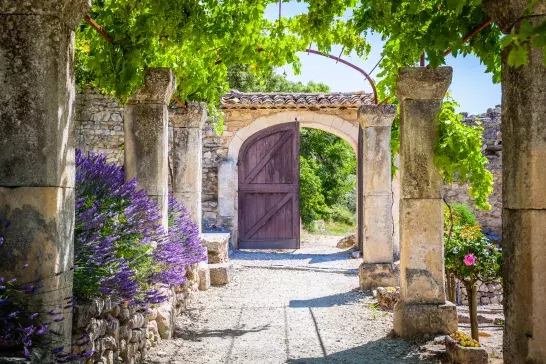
x=187, y=170
x=158, y=88
x=146, y=136
x=463, y=355
x=137, y=321
x=388, y=297
x=41, y=235
x=377, y=160
x=421, y=251
x=217, y=245
x=146, y=146
x=378, y=229
x=423, y=83
x=378, y=275
x=36, y=117
x=416, y=320
x=507, y=13
x=524, y=255
x=204, y=276
x=165, y=321
x=192, y=116
x=69, y=11
x=347, y=241
x=418, y=134
x=220, y=274
x=85, y=312
x=376, y=115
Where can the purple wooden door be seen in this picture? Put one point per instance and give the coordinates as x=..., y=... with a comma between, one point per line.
x=269, y=187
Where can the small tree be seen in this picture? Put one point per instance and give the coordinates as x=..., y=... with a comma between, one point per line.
x=469, y=255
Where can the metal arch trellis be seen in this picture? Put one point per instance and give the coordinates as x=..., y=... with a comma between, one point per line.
x=338, y=59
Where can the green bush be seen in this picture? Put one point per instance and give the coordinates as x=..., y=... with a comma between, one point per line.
x=312, y=205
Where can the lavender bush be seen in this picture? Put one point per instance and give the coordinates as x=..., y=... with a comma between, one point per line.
x=121, y=249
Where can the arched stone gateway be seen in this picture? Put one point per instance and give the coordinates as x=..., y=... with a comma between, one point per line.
x=351, y=116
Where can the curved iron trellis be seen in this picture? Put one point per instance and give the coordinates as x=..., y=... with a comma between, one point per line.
x=350, y=65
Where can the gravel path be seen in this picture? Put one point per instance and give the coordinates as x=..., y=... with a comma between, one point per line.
x=318, y=252
x=285, y=316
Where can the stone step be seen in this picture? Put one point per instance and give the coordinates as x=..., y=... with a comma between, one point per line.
x=217, y=245
x=221, y=274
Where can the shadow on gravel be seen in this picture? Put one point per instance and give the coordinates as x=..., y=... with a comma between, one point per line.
x=338, y=299
x=198, y=335
x=382, y=351
x=291, y=255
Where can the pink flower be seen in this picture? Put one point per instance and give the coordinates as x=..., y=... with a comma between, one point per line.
x=469, y=259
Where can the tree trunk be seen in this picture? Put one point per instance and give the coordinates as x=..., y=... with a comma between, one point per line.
x=452, y=288
x=472, y=291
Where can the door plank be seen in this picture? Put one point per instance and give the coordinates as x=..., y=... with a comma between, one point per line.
x=268, y=156
x=268, y=215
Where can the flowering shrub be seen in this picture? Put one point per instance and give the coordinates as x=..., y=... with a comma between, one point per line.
x=182, y=248
x=121, y=249
x=469, y=255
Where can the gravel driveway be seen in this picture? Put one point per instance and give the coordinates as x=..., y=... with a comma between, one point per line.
x=285, y=316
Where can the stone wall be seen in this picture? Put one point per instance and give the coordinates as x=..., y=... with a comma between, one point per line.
x=492, y=148
x=114, y=331
x=99, y=125
x=214, y=152
x=488, y=293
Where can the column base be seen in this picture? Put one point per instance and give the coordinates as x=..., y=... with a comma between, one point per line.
x=416, y=320
x=373, y=275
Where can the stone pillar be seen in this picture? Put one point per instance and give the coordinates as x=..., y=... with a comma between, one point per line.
x=523, y=190
x=146, y=136
x=378, y=269
x=422, y=308
x=37, y=149
x=187, y=155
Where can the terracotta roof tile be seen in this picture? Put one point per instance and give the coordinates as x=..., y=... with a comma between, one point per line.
x=282, y=100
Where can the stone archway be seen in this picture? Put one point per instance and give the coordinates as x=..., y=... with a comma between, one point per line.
x=351, y=116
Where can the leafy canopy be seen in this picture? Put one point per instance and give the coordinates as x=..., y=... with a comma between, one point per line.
x=200, y=40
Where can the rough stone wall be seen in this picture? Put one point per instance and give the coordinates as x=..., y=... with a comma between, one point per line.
x=115, y=331
x=99, y=125
x=488, y=293
x=492, y=148
x=213, y=153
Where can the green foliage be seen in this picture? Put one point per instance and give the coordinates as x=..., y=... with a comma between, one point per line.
x=200, y=40
x=312, y=204
x=242, y=79
x=463, y=238
x=336, y=163
x=458, y=155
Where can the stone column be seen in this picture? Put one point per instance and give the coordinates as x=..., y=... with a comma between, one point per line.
x=378, y=269
x=187, y=155
x=146, y=136
x=37, y=150
x=523, y=190
x=422, y=308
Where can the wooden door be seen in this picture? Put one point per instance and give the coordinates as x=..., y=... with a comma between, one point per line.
x=269, y=187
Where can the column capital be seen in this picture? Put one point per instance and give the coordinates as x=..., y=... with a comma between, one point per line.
x=71, y=12
x=376, y=115
x=193, y=116
x=423, y=83
x=158, y=88
x=507, y=13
